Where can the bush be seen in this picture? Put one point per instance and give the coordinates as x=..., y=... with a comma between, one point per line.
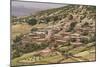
x=17, y=39
x=47, y=19
x=85, y=33
x=72, y=25
x=32, y=21
x=85, y=24
x=55, y=18
x=34, y=29
x=70, y=17
x=84, y=40
x=92, y=38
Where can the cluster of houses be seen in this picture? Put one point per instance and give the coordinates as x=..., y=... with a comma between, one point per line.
x=58, y=35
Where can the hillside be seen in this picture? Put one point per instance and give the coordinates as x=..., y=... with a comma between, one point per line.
x=57, y=35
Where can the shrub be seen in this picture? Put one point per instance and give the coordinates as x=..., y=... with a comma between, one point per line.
x=86, y=24
x=85, y=33
x=84, y=40
x=92, y=38
x=32, y=21
x=34, y=29
x=70, y=17
x=47, y=19
x=55, y=18
x=72, y=25
x=17, y=39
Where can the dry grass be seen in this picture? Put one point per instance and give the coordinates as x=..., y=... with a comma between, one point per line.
x=20, y=29
x=42, y=25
